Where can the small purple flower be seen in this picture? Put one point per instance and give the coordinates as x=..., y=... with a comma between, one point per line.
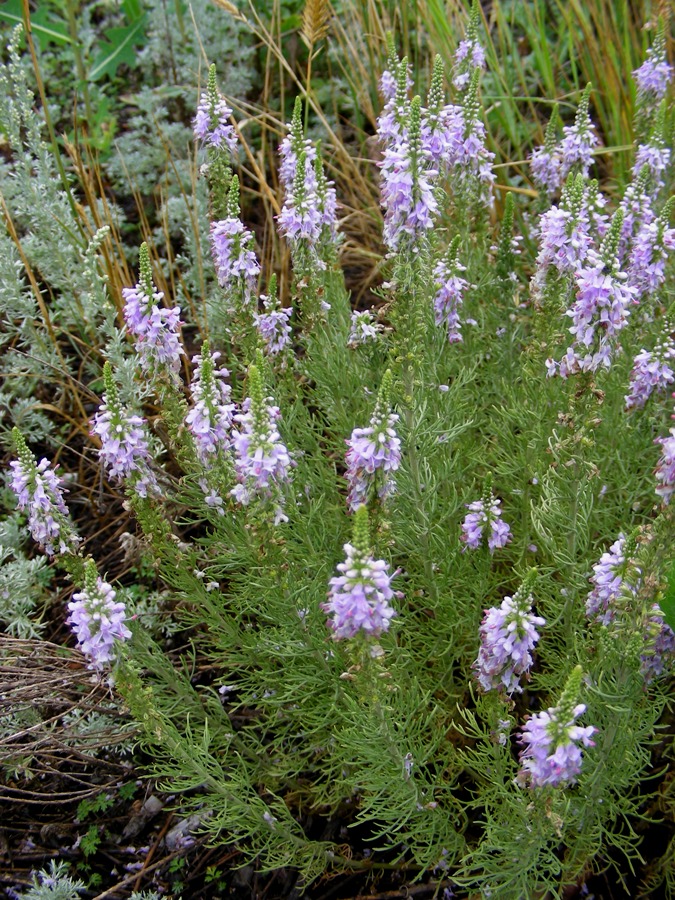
x=546, y=166
x=609, y=581
x=576, y=149
x=654, y=75
x=637, y=209
x=600, y=310
x=154, y=328
x=211, y=123
x=387, y=85
x=651, y=372
x=450, y=288
x=407, y=193
x=552, y=755
x=210, y=419
x=309, y=213
x=485, y=512
x=468, y=56
x=665, y=468
x=124, y=450
x=273, y=327
x=262, y=461
x=358, y=600
x=374, y=453
x=236, y=263
x=97, y=619
x=656, y=157
x=508, y=635
x=648, y=256
x=38, y=491
x=564, y=242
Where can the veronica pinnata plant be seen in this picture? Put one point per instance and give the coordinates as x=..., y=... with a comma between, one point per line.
x=358, y=600
x=154, y=328
x=485, y=516
x=402, y=712
x=508, y=636
x=262, y=462
x=97, y=619
x=374, y=453
x=39, y=493
x=551, y=755
x=125, y=446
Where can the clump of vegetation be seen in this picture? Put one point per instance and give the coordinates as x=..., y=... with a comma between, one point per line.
x=369, y=533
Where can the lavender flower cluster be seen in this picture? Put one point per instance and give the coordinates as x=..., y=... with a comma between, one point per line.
x=651, y=372
x=211, y=123
x=450, y=288
x=484, y=513
x=39, y=493
x=237, y=266
x=665, y=468
x=154, y=328
x=420, y=143
x=97, y=621
x=374, y=453
x=359, y=597
x=309, y=213
x=609, y=582
x=552, y=755
x=262, y=462
x=508, y=635
x=552, y=163
x=273, y=326
x=210, y=418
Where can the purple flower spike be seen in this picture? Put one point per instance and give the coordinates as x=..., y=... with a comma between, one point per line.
x=609, y=581
x=211, y=123
x=210, y=419
x=659, y=655
x=309, y=214
x=655, y=74
x=38, y=492
x=450, y=293
x=546, y=169
x=651, y=372
x=552, y=755
x=508, y=635
x=649, y=254
x=273, y=327
x=124, y=451
x=358, y=600
x=485, y=511
x=468, y=56
x=154, y=328
x=234, y=257
x=359, y=597
x=262, y=461
x=374, y=453
x=97, y=619
x=576, y=149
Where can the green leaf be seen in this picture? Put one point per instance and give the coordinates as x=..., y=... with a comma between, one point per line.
x=44, y=24
x=119, y=47
x=90, y=842
x=132, y=9
x=667, y=602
